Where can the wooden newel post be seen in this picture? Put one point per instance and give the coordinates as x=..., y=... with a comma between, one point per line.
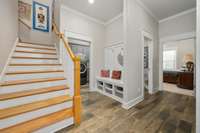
x=77, y=96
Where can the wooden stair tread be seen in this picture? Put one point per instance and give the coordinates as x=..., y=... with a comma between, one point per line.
x=40, y=44
x=32, y=52
x=4, y=97
x=38, y=123
x=33, y=72
x=41, y=48
x=41, y=58
x=36, y=64
x=13, y=111
x=18, y=82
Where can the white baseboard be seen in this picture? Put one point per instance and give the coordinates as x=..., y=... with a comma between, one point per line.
x=9, y=58
x=132, y=103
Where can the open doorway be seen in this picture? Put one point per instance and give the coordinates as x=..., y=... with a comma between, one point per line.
x=178, y=66
x=148, y=62
x=83, y=51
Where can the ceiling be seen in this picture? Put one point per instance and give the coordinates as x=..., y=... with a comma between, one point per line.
x=103, y=10
x=166, y=8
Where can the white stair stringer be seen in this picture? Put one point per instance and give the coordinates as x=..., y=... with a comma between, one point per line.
x=4, y=123
x=32, y=63
x=57, y=126
x=31, y=76
x=33, y=68
x=25, y=87
x=49, y=61
x=30, y=99
x=39, y=55
x=34, y=50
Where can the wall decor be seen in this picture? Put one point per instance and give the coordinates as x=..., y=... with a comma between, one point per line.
x=40, y=17
x=25, y=12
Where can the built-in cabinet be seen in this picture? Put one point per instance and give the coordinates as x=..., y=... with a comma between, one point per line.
x=114, y=60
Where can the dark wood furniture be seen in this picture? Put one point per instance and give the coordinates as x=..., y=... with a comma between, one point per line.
x=185, y=80
x=170, y=77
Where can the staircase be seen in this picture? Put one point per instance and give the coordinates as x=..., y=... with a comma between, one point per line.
x=34, y=96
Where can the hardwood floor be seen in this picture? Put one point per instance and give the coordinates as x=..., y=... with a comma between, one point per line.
x=163, y=112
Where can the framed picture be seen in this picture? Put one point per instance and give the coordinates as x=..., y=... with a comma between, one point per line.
x=40, y=17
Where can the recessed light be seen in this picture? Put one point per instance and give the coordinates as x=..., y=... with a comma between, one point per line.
x=91, y=1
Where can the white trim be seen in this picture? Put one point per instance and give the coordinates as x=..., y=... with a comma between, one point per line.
x=9, y=59
x=114, y=44
x=147, y=9
x=78, y=36
x=114, y=19
x=178, y=37
x=82, y=14
x=178, y=15
x=183, y=36
x=130, y=104
x=150, y=78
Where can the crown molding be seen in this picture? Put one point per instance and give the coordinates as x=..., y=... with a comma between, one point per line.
x=147, y=9
x=178, y=15
x=82, y=14
x=114, y=19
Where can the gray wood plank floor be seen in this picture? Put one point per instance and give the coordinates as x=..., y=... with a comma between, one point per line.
x=162, y=112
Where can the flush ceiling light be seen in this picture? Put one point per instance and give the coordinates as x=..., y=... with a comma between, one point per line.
x=91, y=1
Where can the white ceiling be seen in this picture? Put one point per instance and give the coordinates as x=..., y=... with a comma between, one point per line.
x=103, y=10
x=166, y=8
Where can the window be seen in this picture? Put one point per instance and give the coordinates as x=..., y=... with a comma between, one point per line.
x=169, y=59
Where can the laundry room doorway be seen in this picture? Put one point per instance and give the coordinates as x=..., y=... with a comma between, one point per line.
x=82, y=49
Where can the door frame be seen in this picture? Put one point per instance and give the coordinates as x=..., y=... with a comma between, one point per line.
x=150, y=75
x=81, y=37
x=184, y=36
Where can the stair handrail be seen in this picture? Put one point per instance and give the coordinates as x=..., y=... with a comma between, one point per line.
x=76, y=60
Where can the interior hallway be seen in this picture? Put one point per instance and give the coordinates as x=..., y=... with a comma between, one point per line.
x=163, y=112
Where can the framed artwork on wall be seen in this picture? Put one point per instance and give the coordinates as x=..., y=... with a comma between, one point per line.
x=40, y=17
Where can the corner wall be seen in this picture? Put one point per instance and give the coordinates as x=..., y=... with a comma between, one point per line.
x=8, y=28
x=136, y=20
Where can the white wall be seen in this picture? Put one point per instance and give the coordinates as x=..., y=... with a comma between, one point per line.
x=198, y=70
x=183, y=47
x=74, y=22
x=137, y=20
x=8, y=28
x=35, y=36
x=179, y=25
x=114, y=31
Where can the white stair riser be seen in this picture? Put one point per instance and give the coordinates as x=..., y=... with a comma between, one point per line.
x=34, y=114
x=32, y=76
x=20, y=61
x=32, y=45
x=23, y=87
x=30, y=99
x=57, y=126
x=34, y=55
x=35, y=50
x=33, y=68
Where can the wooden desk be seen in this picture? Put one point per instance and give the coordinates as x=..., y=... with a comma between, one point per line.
x=185, y=80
